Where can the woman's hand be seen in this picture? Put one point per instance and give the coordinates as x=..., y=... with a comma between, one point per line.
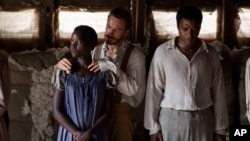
x=64, y=64
x=156, y=137
x=218, y=137
x=94, y=66
x=82, y=136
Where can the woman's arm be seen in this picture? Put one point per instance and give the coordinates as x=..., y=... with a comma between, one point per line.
x=60, y=114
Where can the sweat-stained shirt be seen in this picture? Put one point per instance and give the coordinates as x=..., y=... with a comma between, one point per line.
x=182, y=84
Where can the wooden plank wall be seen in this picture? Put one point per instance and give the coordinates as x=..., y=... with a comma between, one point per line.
x=138, y=10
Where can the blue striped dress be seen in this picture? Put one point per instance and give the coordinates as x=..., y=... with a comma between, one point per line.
x=84, y=104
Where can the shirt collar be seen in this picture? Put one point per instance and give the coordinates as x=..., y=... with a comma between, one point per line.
x=171, y=45
x=121, y=49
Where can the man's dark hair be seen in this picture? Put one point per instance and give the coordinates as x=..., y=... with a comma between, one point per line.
x=87, y=34
x=121, y=13
x=190, y=13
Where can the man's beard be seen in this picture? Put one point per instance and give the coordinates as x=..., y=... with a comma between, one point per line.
x=111, y=40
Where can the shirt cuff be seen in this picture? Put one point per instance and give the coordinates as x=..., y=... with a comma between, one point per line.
x=151, y=132
x=221, y=131
x=106, y=64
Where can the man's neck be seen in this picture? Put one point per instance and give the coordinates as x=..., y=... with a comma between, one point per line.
x=188, y=48
x=113, y=49
x=115, y=46
x=188, y=45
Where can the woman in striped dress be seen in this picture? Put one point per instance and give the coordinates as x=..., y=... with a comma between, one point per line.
x=80, y=104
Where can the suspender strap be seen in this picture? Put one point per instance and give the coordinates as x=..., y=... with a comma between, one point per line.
x=126, y=57
x=118, y=95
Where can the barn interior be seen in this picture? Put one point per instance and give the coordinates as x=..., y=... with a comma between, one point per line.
x=36, y=34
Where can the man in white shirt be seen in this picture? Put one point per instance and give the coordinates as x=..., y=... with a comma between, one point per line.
x=129, y=67
x=247, y=88
x=185, y=99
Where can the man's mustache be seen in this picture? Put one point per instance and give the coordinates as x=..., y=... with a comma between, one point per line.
x=110, y=37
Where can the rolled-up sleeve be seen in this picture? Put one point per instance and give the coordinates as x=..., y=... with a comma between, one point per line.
x=58, y=78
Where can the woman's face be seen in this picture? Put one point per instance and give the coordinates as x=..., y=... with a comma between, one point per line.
x=77, y=47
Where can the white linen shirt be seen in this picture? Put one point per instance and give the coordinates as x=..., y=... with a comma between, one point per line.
x=182, y=84
x=247, y=86
x=132, y=83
